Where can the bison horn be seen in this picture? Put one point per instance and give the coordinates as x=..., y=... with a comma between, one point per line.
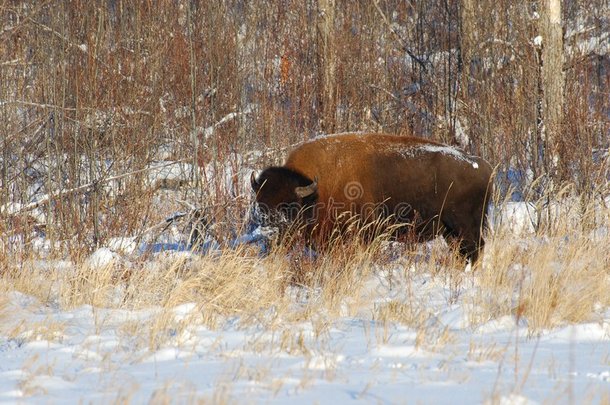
x=306, y=191
x=254, y=182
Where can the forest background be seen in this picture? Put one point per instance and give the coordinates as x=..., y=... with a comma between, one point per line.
x=97, y=91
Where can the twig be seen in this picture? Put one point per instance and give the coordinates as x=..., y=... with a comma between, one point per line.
x=385, y=91
x=209, y=131
x=48, y=197
x=399, y=38
x=163, y=224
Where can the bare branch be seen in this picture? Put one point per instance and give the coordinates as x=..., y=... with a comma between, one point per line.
x=402, y=42
x=8, y=209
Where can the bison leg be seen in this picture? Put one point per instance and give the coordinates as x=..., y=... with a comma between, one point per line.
x=470, y=249
x=468, y=236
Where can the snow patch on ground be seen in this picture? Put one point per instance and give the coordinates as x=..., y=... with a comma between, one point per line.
x=102, y=257
x=98, y=355
x=445, y=355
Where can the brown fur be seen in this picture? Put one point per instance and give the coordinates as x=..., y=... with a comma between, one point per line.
x=437, y=189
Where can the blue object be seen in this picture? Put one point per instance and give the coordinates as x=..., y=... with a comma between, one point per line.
x=209, y=246
x=512, y=180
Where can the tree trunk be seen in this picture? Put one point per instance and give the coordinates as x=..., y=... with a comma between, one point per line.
x=469, y=40
x=327, y=64
x=552, y=79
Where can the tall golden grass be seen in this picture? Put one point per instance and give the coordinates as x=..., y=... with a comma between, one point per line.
x=558, y=275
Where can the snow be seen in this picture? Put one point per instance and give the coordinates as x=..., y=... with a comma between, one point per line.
x=339, y=134
x=449, y=151
x=537, y=41
x=170, y=174
x=413, y=150
x=598, y=45
x=89, y=362
x=122, y=244
x=102, y=257
x=447, y=355
x=519, y=217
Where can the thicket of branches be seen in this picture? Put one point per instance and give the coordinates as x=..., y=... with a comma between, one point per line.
x=90, y=90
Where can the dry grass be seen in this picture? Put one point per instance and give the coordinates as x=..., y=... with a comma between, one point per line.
x=82, y=106
x=562, y=279
x=94, y=92
x=558, y=275
x=4, y=306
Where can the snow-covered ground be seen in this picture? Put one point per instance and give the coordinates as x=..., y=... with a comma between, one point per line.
x=98, y=355
x=443, y=353
x=103, y=355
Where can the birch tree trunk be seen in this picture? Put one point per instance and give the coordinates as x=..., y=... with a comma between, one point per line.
x=552, y=79
x=469, y=40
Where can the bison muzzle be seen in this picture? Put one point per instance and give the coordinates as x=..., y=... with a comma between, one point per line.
x=430, y=188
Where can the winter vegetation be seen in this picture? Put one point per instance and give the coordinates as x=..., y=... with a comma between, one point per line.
x=129, y=268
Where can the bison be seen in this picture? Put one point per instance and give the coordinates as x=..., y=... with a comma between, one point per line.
x=430, y=188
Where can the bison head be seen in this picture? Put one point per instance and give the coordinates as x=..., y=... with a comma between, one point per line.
x=283, y=197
